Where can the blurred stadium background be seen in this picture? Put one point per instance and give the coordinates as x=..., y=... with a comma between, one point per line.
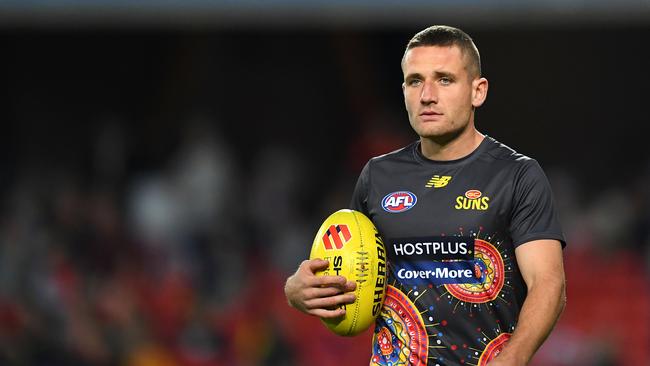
x=164, y=166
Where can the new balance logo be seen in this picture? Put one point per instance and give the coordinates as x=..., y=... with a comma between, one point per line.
x=438, y=181
x=338, y=234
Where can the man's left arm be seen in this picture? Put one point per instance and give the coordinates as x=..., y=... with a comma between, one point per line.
x=540, y=263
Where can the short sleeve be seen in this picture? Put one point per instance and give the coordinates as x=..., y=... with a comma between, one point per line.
x=534, y=216
x=359, y=200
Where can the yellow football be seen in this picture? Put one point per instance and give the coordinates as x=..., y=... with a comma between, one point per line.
x=354, y=249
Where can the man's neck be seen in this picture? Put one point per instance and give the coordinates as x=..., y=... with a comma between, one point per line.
x=453, y=149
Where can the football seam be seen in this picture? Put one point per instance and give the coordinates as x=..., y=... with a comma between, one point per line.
x=355, y=317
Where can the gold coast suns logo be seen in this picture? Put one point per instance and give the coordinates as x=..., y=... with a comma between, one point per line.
x=472, y=200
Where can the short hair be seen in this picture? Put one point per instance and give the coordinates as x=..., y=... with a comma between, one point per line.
x=446, y=36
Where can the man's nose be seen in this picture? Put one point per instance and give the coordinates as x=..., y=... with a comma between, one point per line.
x=429, y=93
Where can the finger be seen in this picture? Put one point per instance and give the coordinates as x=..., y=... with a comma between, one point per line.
x=336, y=281
x=330, y=301
x=318, y=292
x=315, y=265
x=350, y=286
x=327, y=314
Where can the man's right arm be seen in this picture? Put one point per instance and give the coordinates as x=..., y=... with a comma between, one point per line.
x=320, y=296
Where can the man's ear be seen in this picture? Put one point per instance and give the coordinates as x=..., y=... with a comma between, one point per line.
x=479, y=91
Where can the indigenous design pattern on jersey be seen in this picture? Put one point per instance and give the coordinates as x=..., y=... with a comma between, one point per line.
x=493, y=349
x=400, y=336
x=489, y=268
x=406, y=323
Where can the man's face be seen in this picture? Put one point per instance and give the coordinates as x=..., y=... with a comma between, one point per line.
x=439, y=91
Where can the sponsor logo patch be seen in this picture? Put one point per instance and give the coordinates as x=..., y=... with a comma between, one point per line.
x=435, y=248
x=436, y=259
x=440, y=273
x=472, y=200
x=438, y=181
x=399, y=201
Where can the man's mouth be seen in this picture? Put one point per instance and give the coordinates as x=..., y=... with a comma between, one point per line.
x=430, y=113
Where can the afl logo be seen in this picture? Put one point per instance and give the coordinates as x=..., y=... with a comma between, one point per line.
x=399, y=201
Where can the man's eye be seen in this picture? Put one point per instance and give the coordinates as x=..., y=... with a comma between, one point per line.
x=414, y=82
x=445, y=81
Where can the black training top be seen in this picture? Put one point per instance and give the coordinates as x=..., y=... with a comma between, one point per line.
x=450, y=230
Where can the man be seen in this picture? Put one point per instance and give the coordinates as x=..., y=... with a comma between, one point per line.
x=474, y=245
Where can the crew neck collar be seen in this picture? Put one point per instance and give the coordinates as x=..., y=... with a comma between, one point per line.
x=417, y=152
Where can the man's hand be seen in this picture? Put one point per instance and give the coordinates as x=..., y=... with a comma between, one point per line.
x=318, y=295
